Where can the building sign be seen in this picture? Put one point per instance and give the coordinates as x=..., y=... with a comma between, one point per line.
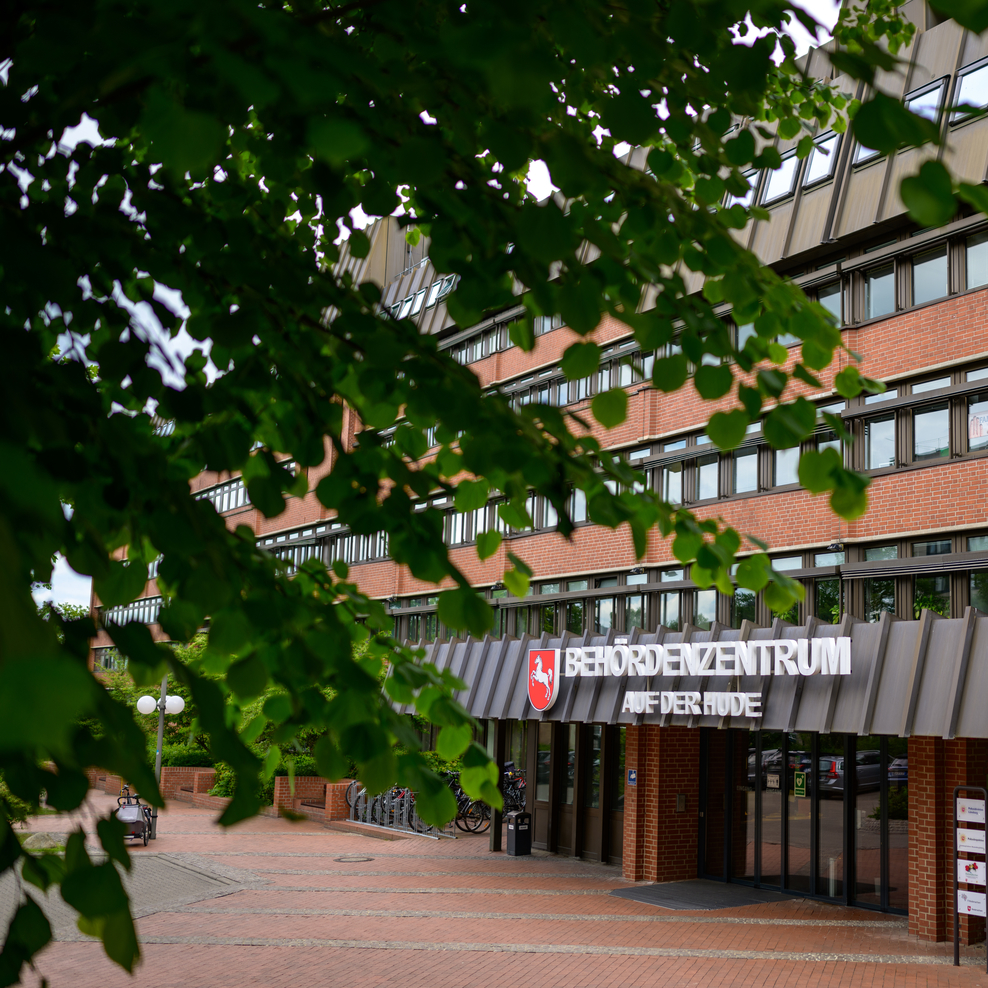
x=543, y=677
x=970, y=840
x=632, y=777
x=972, y=903
x=972, y=872
x=971, y=810
x=778, y=657
x=799, y=784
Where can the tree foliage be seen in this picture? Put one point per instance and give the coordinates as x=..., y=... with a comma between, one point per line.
x=236, y=140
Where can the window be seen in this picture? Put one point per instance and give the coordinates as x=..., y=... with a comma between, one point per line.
x=578, y=506
x=549, y=588
x=830, y=298
x=881, y=552
x=828, y=440
x=744, y=333
x=828, y=602
x=879, y=595
x=977, y=421
x=926, y=102
x=929, y=276
x=706, y=477
x=634, y=611
x=880, y=443
x=672, y=483
x=742, y=606
x=823, y=158
x=672, y=575
x=636, y=578
x=782, y=180
x=545, y=324
x=972, y=90
x=864, y=154
x=603, y=614
x=977, y=543
x=751, y=177
x=787, y=562
x=785, y=467
x=828, y=558
x=931, y=433
x=979, y=590
x=574, y=617
x=880, y=292
x=704, y=608
x=746, y=471
x=932, y=593
x=938, y=547
x=887, y=395
x=669, y=611
x=977, y=260
x=934, y=385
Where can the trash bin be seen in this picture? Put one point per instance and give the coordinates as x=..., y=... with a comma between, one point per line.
x=519, y=833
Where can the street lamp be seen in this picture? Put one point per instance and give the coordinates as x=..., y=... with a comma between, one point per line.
x=164, y=705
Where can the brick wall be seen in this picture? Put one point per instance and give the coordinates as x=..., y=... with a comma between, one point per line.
x=660, y=843
x=935, y=768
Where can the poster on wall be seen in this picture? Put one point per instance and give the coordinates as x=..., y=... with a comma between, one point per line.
x=977, y=430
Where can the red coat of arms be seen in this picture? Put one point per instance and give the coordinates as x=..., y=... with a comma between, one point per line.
x=543, y=677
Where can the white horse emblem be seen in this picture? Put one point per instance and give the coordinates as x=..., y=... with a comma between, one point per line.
x=545, y=678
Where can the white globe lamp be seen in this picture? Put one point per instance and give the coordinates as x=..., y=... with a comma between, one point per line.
x=174, y=705
x=147, y=705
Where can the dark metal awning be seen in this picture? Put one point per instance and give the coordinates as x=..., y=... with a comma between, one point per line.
x=927, y=677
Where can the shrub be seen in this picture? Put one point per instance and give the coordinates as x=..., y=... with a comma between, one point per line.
x=185, y=756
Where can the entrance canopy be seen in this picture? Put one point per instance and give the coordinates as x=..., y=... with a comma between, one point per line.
x=927, y=677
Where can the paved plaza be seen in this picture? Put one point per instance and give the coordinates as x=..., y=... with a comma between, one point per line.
x=274, y=903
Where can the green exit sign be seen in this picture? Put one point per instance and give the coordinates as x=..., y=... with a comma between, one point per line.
x=799, y=786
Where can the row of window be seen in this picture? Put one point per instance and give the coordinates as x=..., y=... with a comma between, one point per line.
x=928, y=101
x=226, y=497
x=145, y=610
x=424, y=298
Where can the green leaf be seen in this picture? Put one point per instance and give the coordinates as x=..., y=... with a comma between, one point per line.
x=453, y=740
x=488, y=543
x=516, y=582
x=183, y=140
x=471, y=495
x=121, y=584
x=754, y=571
x=337, y=140
x=277, y=708
x=817, y=469
x=670, y=373
x=330, y=761
x=465, y=610
x=248, y=677
x=885, y=124
x=610, y=408
x=929, y=196
x=41, y=701
x=727, y=429
x=713, y=382
x=95, y=891
x=120, y=939
x=972, y=14
x=580, y=360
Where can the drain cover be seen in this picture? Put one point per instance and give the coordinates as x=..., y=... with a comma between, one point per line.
x=353, y=859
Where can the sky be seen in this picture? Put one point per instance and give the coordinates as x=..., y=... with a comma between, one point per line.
x=70, y=587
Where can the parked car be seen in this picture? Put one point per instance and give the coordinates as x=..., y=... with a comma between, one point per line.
x=899, y=771
x=868, y=768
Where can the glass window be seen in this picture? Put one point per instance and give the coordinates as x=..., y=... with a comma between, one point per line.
x=574, y=617
x=979, y=590
x=977, y=260
x=830, y=298
x=669, y=611
x=977, y=375
x=864, y=154
x=934, y=385
x=879, y=595
x=578, y=506
x=591, y=789
x=751, y=177
x=785, y=467
x=781, y=181
x=671, y=481
x=882, y=552
x=572, y=585
x=931, y=433
x=607, y=581
x=543, y=763
x=672, y=575
x=972, y=91
x=887, y=395
x=746, y=471
x=977, y=421
x=823, y=157
x=706, y=477
x=932, y=593
x=828, y=440
x=938, y=547
x=619, y=774
x=570, y=764
x=828, y=559
x=828, y=604
x=704, y=608
x=787, y=562
x=603, y=614
x=745, y=333
x=880, y=443
x=547, y=619
x=742, y=606
x=549, y=588
x=926, y=102
x=880, y=292
x=678, y=444
x=634, y=611
x=634, y=578
x=977, y=543
x=929, y=276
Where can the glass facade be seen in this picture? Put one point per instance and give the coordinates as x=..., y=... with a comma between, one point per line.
x=821, y=815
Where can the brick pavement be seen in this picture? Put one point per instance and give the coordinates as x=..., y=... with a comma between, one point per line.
x=309, y=917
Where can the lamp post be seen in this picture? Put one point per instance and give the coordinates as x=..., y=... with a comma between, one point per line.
x=165, y=704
